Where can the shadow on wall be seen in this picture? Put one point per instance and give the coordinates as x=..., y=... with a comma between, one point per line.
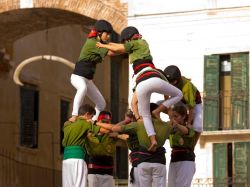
x=5, y=66
x=14, y=173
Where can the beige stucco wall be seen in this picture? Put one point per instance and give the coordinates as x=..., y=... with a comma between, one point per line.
x=39, y=27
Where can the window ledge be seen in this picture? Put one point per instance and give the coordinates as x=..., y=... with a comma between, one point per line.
x=224, y=136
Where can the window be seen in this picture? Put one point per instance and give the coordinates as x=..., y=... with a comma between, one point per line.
x=29, y=116
x=241, y=164
x=222, y=164
x=64, y=110
x=226, y=92
x=231, y=164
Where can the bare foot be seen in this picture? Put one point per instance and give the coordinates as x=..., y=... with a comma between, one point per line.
x=73, y=119
x=156, y=115
x=153, y=147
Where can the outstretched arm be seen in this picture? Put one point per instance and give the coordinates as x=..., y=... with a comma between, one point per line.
x=104, y=131
x=112, y=53
x=115, y=47
x=120, y=136
x=114, y=128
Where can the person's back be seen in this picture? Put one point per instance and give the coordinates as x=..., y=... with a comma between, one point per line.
x=191, y=95
x=90, y=53
x=74, y=170
x=105, y=146
x=74, y=130
x=151, y=166
x=138, y=50
x=162, y=130
x=100, y=157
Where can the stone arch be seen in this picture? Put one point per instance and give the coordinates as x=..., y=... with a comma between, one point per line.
x=94, y=9
x=72, y=10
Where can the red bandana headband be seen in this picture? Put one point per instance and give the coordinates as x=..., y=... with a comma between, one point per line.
x=92, y=33
x=104, y=117
x=136, y=37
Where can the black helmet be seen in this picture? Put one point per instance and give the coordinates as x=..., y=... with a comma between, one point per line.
x=172, y=73
x=128, y=32
x=103, y=26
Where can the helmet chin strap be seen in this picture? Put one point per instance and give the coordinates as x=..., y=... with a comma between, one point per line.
x=100, y=36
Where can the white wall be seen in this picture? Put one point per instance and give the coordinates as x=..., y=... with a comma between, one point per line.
x=184, y=39
x=145, y=7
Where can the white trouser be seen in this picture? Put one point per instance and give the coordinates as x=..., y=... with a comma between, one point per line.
x=144, y=90
x=197, y=123
x=96, y=180
x=86, y=87
x=74, y=173
x=180, y=174
x=152, y=174
x=136, y=179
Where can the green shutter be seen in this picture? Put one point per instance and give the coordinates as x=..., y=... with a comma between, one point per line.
x=239, y=73
x=211, y=93
x=220, y=165
x=241, y=164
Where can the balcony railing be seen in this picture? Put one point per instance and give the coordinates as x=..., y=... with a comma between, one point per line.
x=236, y=181
x=226, y=110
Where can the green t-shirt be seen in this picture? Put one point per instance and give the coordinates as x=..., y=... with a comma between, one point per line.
x=162, y=130
x=105, y=147
x=91, y=53
x=188, y=91
x=137, y=50
x=75, y=133
x=132, y=142
x=176, y=139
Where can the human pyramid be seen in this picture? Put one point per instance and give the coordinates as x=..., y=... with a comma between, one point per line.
x=90, y=138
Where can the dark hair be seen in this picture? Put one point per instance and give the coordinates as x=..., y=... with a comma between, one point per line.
x=162, y=72
x=86, y=108
x=181, y=109
x=172, y=73
x=103, y=26
x=153, y=106
x=130, y=114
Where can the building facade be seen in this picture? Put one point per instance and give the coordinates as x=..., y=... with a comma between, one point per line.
x=209, y=41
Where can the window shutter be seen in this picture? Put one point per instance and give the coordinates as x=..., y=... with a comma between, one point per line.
x=240, y=81
x=211, y=93
x=220, y=165
x=241, y=163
